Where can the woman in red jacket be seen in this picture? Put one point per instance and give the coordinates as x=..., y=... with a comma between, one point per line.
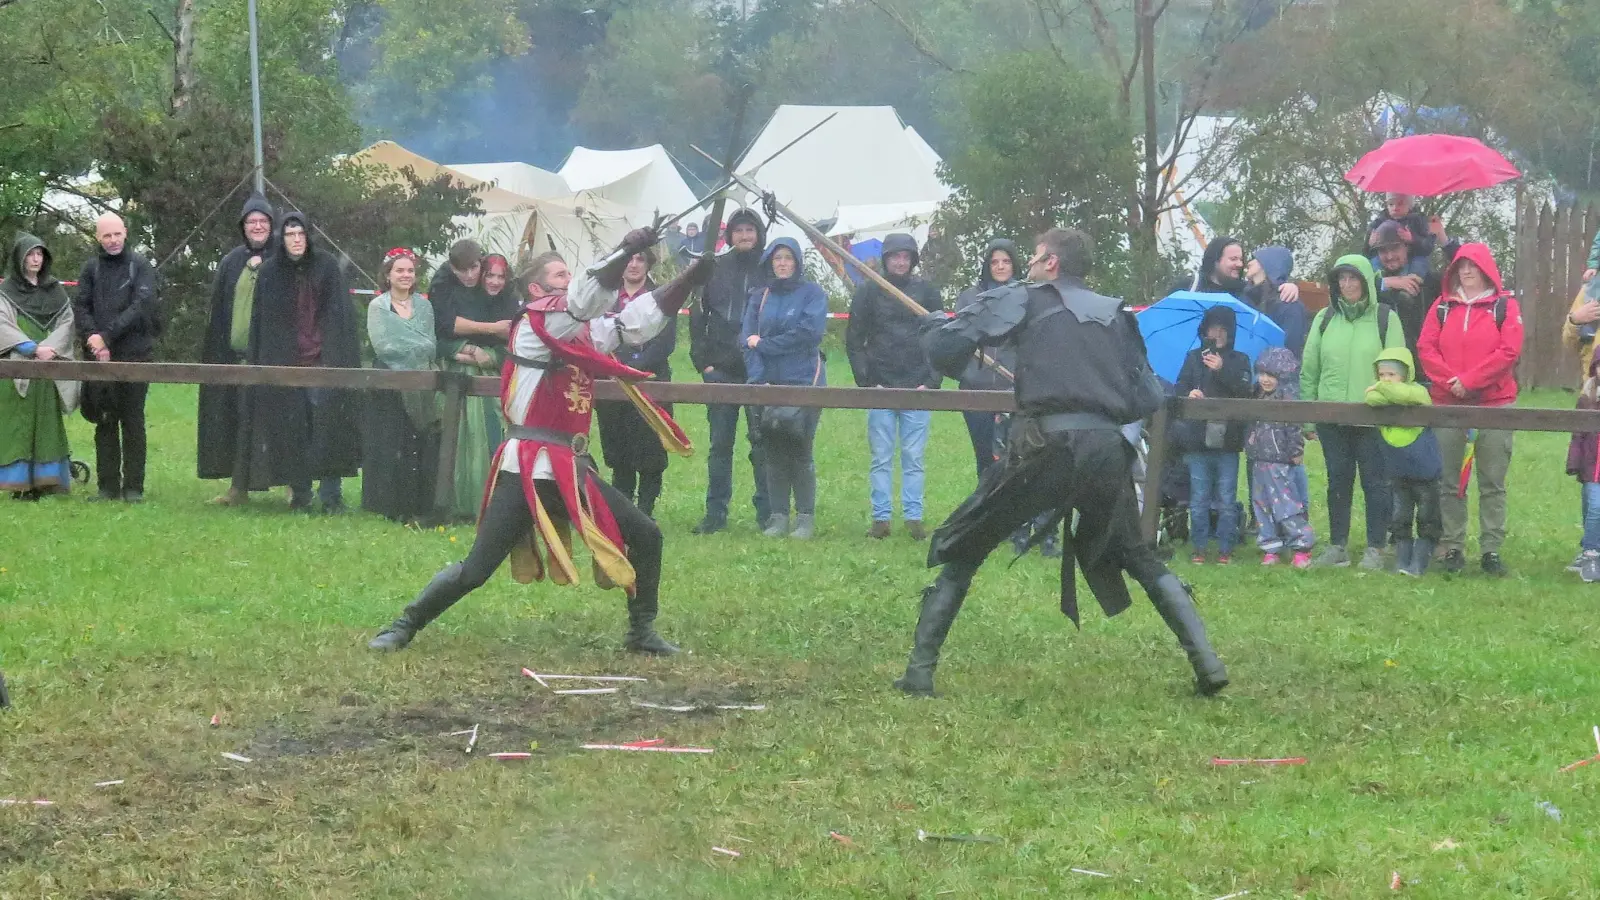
x=1470, y=343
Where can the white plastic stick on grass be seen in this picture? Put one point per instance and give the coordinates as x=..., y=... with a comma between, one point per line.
x=1234, y=895
x=109, y=783
x=237, y=758
x=6, y=802
x=542, y=676
x=726, y=852
x=588, y=691
x=1090, y=872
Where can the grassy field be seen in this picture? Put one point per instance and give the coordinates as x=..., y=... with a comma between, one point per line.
x=1434, y=714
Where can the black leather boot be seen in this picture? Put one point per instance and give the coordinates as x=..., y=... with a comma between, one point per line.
x=1402, y=557
x=941, y=601
x=1172, y=601
x=445, y=589
x=642, y=636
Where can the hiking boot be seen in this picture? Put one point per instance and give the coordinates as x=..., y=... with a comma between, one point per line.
x=1332, y=556
x=1372, y=559
x=445, y=589
x=915, y=530
x=777, y=526
x=1175, y=603
x=1454, y=562
x=805, y=527
x=879, y=529
x=644, y=639
x=709, y=525
x=1589, y=566
x=941, y=601
x=1494, y=566
x=1403, y=557
x=1577, y=562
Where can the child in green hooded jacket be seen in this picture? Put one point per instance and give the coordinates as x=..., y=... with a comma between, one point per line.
x=1411, y=458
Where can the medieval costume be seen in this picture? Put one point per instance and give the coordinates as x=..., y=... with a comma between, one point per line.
x=1081, y=375
x=481, y=429
x=35, y=314
x=303, y=317
x=629, y=445
x=400, y=429
x=544, y=485
x=227, y=338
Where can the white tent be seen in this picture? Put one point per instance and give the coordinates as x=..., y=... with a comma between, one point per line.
x=1184, y=229
x=864, y=156
x=644, y=180
x=582, y=228
x=518, y=178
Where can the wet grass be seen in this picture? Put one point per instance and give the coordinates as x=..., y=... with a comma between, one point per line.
x=1434, y=714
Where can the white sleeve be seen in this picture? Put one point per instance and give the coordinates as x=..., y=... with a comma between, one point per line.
x=586, y=299
x=638, y=322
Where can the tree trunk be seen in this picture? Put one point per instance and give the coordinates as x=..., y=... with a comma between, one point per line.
x=183, y=57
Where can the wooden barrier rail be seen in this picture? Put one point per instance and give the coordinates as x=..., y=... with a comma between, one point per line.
x=457, y=387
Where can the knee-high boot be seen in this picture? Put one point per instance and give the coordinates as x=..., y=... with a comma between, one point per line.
x=642, y=636
x=445, y=589
x=1172, y=601
x=941, y=601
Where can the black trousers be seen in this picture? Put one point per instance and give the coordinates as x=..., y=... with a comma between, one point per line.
x=119, y=441
x=507, y=522
x=1415, y=500
x=1087, y=472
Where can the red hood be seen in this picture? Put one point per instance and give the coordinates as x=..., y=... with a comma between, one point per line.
x=1480, y=255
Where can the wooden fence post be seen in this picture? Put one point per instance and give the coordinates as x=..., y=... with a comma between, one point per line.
x=455, y=386
x=1154, y=461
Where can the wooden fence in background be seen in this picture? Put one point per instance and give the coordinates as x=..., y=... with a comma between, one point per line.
x=1552, y=247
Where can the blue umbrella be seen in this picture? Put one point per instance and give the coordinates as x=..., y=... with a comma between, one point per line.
x=866, y=251
x=1171, y=329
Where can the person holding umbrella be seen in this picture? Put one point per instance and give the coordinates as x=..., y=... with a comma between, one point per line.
x=1211, y=449
x=1344, y=340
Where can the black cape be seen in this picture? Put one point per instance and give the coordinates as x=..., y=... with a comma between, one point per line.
x=297, y=434
x=217, y=431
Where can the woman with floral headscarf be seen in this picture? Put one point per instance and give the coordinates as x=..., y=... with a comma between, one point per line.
x=401, y=440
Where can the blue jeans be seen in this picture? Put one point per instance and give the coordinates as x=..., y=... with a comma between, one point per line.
x=1591, y=516
x=330, y=491
x=1213, y=485
x=912, y=428
x=723, y=420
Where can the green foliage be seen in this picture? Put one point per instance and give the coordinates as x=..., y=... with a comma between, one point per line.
x=408, y=81
x=1039, y=144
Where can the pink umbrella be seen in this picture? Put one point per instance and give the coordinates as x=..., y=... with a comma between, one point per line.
x=1427, y=165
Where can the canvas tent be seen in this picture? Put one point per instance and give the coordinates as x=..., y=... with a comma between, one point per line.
x=583, y=228
x=644, y=181
x=864, y=166
x=518, y=178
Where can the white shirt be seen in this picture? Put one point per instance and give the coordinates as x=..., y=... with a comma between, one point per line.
x=587, y=303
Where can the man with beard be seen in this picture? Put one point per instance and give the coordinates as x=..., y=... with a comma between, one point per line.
x=885, y=352
x=1082, y=375
x=545, y=490
x=233, y=293
x=1409, y=294
x=718, y=356
x=630, y=448
x=117, y=315
x=303, y=317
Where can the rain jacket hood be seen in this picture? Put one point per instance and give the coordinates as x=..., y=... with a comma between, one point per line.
x=258, y=204
x=1282, y=364
x=986, y=280
x=1276, y=262
x=1362, y=267
x=1277, y=442
x=1219, y=315
x=744, y=215
x=784, y=285
x=1484, y=259
x=901, y=243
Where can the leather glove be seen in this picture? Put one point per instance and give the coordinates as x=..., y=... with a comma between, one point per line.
x=639, y=240
x=671, y=296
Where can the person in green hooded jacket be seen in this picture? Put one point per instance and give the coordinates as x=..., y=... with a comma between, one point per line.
x=35, y=323
x=1341, y=345
x=1411, y=456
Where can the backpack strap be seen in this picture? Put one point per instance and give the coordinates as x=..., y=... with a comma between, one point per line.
x=1325, y=315
x=1441, y=311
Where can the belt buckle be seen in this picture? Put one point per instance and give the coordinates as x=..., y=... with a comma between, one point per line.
x=580, y=444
